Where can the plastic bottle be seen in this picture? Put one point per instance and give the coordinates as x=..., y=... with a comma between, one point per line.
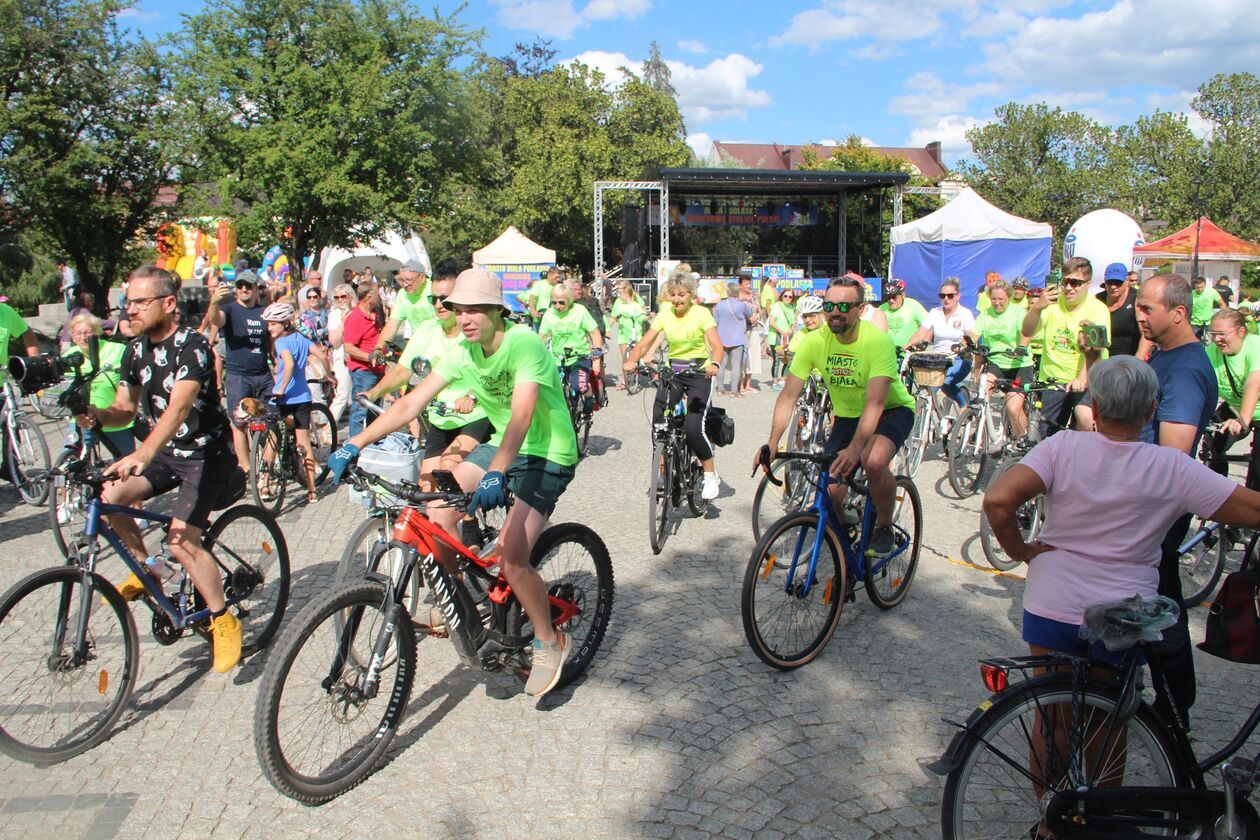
x=162, y=571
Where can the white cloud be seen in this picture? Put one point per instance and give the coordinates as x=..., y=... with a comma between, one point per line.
x=702, y=146
x=877, y=52
x=138, y=15
x=950, y=131
x=846, y=20
x=1178, y=102
x=997, y=22
x=612, y=65
x=929, y=96
x=560, y=18
x=695, y=47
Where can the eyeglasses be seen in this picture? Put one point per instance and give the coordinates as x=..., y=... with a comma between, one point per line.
x=1074, y=282
x=144, y=302
x=947, y=295
x=312, y=297
x=842, y=306
x=1217, y=335
x=559, y=303
x=438, y=300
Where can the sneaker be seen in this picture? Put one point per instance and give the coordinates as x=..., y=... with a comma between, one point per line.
x=430, y=622
x=709, y=486
x=548, y=665
x=883, y=541
x=132, y=589
x=227, y=642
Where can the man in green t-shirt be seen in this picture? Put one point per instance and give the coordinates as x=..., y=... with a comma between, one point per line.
x=532, y=452
x=12, y=326
x=411, y=304
x=537, y=298
x=873, y=411
x=1203, y=301
x=904, y=315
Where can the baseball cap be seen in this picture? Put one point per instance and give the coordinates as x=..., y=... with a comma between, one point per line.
x=1115, y=271
x=246, y=277
x=477, y=287
x=414, y=265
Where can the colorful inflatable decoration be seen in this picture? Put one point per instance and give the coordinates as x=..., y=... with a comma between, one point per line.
x=179, y=244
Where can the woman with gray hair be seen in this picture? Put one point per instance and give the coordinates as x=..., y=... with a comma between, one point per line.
x=1098, y=544
x=733, y=317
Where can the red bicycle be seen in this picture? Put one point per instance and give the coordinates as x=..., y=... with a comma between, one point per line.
x=337, y=686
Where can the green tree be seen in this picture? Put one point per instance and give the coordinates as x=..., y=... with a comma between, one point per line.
x=1154, y=164
x=85, y=133
x=656, y=72
x=1231, y=104
x=324, y=122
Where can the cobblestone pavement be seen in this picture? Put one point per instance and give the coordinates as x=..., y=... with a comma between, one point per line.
x=677, y=731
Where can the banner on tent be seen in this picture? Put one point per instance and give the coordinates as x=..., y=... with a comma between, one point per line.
x=517, y=278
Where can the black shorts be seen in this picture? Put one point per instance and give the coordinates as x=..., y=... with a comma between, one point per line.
x=535, y=481
x=1024, y=374
x=300, y=412
x=205, y=484
x=437, y=440
x=238, y=386
x=894, y=424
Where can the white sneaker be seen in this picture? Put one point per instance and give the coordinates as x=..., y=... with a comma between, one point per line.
x=710, y=486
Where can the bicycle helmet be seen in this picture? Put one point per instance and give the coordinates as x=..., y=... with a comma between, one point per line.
x=809, y=305
x=278, y=312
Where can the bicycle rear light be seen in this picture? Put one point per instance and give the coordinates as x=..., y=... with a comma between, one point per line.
x=994, y=677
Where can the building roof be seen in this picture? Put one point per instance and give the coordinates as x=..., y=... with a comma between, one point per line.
x=798, y=182
x=773, y=156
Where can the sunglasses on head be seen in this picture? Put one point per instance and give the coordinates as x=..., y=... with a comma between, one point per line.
x=947, y=295
x=437, y=300
x=842, y=306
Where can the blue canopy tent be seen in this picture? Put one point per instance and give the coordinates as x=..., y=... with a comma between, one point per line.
x=967, y=238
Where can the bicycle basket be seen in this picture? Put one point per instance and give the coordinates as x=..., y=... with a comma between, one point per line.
x=929, y=369
x=719, y=427
x=397, y=458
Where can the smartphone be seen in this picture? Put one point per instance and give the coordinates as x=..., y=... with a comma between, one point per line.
x=1095, y=335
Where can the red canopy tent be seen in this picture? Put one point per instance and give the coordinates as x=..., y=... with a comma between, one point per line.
x=1214, y=244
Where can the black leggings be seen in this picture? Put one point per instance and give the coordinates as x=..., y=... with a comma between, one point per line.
x=699, y=390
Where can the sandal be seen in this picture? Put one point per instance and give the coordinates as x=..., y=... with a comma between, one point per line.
x=312, y=496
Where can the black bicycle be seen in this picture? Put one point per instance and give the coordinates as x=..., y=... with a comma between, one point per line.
x=581, y=412
x=676, y=473
x=275, y=456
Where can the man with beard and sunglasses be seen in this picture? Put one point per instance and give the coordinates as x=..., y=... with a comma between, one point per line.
x=873, y=410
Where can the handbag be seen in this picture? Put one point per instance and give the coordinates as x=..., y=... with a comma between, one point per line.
x=1233, y=622
x=719, y=427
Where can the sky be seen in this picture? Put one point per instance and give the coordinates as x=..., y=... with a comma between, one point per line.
x=893, y=72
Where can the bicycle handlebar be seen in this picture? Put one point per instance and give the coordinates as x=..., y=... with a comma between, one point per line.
x=364, y=481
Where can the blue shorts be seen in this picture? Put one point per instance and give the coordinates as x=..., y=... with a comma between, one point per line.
x=894, y=424
x=1066, y=638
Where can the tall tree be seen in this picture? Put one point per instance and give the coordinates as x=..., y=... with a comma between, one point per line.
x=1231, y=105
x=530, y=59
x=656, y=72
x=86, y=133
x=1155, y=165
x=328, y=121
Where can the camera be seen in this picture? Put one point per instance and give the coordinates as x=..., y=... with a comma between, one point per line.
x=35, y=373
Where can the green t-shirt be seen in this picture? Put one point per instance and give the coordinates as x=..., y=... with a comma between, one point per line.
x=1001, y=331
x=1202, y=305
x=540, y=293
x=631, y=317
x=521, y=358
x=1245, y=361
x=904, y=321
x=105, y=386
x=847, y=368
x=568, y=329
x=794, y=346
x=1061, y=357
x=430, y=342
x=782, y=317
x=413, y=309
x=11, y=326
x=686, y=334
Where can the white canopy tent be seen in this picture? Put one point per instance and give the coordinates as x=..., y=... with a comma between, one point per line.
x=513, y=248
x=382, y=255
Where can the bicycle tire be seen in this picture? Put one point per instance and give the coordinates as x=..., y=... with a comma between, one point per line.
x=986, y=758
x=293, y=693
x=267, y=477
x=828, y=592
x=251, y=553
x=29, y=461
x=659, y=495
x=321, y=423
x=1200, y=566
x=696, y=502
x=898, y=571
x=968, y=453
x=368, y=552
x=916, y=443
x=1030, y=517
x=68, y=502
x=773, y=502
x=584, y=434
x=74, y=686
x=575, y=565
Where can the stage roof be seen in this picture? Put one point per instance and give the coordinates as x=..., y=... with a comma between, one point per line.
x=796, y=182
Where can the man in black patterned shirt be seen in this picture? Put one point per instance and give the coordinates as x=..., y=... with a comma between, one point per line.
x=168, y=386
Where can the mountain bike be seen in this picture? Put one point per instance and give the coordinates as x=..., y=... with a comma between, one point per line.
x=807, y=565
x=1078, y=754
x=337, y=687
x=981, y=430
x=676, y=473
x=24, y=450
x=580, y=414
x=69, y=650
x=275, y=456
x=793, y=487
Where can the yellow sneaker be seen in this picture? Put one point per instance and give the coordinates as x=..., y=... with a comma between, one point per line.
x=227, y=642
x=131, y=589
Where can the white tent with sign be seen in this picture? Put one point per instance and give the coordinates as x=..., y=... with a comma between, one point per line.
x=517, y=259
x=383, y=256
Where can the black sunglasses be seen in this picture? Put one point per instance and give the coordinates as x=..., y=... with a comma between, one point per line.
x=245, y=285
x=438, y=299
x=1074, y=282
x=843, y=306
x=1114, y=282
x=947, y=295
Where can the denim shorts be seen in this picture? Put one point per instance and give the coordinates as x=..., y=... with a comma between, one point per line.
x=1066, y=638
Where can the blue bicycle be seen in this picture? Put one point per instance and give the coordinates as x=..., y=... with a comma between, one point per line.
x=805, y=566
x=68, y=642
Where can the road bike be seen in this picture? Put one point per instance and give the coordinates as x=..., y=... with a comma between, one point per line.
x=24, y=450
x=275, y=456
x=69, y=650
x=1068, y=747
x=793, y=487
x=337, y=687
x=677, y=474
x=808, y=564
x=981, y=430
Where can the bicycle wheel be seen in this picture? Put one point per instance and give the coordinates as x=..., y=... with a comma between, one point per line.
x=584, y=434
x=67, y=511
x=785, y=625
x=369, y=552
x=29, y=461
x=694, y=487
x=316, y=731
x=62, y=698
x=917, y=442
x=267, y=478
x=1011, y=766
x=634, y=383
x=888, y=581
x=1200, y=561
x=323, y=439
x=659, y=492
x=773, y=502
x=968, y=453
x=252, y=555
x=575, y=566
x=1029, y=518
